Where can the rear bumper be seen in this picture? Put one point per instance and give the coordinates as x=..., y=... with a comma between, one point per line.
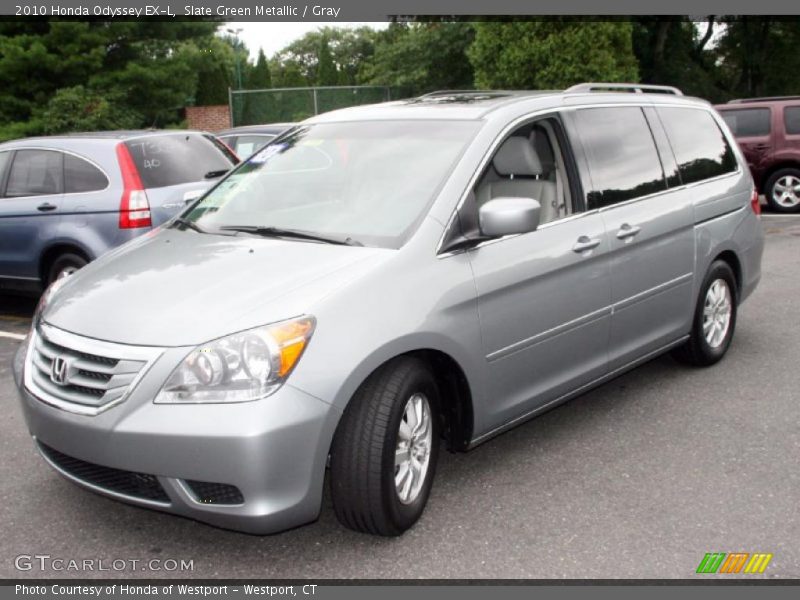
x=272, y=450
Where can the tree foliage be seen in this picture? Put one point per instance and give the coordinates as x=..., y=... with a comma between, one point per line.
x=676, y=52
x=552, y=54
x=59, y=75
x=145, y=68
x=326, y=69
x=78, y=109
x=215, y=71
x=757, y=56
x=421, y=57
x=255, y=109
x=298, y=63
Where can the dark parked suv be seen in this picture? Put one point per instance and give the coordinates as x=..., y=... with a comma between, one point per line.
x=768, y=131
x=65, y=200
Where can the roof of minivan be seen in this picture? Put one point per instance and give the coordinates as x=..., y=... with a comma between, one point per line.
x=473, y=105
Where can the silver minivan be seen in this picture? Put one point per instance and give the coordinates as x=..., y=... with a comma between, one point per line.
x=385, y=279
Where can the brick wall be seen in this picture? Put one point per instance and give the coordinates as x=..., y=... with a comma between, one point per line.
x=208, y=118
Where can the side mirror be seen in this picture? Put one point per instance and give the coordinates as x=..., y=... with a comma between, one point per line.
x=508, y=216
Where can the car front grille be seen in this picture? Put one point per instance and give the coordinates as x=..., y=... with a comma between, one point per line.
x=80, y=374
x=128, y=483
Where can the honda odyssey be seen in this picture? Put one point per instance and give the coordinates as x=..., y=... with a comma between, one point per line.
x=384, y=280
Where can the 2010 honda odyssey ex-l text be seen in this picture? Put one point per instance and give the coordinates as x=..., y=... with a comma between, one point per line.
x=384, y=279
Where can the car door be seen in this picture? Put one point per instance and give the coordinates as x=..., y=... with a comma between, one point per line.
x=650, y=231
x=543, y=303
x=30, y=210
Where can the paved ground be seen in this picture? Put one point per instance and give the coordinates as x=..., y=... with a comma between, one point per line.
x=639, y=478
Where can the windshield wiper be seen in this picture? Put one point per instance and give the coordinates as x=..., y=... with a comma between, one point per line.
x=186, y=223
x=215, y=174
x=290, y=233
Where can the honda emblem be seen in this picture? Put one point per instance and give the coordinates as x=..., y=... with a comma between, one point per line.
x=59, y=370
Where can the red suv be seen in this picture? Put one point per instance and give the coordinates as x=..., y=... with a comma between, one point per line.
x=768, y=131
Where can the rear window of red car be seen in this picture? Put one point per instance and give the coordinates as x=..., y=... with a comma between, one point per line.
x=791, y=119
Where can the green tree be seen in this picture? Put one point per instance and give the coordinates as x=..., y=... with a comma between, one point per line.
x=77, y=109
x=259, y=77
x=147, y=68
x=257, y=107
x=677, y=52
x=758, y=56
x=552, y=54
x=215, y=72
x=349, y=48
x=326, y=69
x=421, y=57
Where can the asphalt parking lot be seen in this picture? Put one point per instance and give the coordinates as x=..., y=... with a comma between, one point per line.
x=636, y=479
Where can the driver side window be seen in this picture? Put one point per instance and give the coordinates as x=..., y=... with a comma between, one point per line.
x=528, y=164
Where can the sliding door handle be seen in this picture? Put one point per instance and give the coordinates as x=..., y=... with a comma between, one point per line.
x=627, y=231
x=585, y=243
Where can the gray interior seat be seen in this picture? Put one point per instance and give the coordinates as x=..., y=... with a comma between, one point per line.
x=521, y=171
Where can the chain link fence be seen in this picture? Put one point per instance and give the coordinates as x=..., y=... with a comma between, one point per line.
x=285, y=105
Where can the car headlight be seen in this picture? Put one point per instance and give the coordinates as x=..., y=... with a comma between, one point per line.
x=241, y=367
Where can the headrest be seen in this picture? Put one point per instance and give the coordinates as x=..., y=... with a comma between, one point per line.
x=517, y=157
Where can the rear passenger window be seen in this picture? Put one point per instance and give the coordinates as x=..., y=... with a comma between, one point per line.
x=747, y=122
x=35, y=173
x=623, y=161
x=82, y=176
x=700, y=148
x=791, y=117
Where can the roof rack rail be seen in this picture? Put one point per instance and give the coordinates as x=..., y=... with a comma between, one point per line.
x=463, y=93
x=638, y=88
x=762, y=99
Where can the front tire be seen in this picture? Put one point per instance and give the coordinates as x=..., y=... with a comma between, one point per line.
x=714, y=318
x=783, y=191
x=385, y=450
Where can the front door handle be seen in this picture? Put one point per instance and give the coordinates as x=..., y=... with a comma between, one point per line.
x=46, y=207
x=585, y=243
x=627, y=231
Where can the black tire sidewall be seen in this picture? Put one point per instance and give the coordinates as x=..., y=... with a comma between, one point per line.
x=62, y=262
x=402, y=515
x=771, y=183
x=718, y=270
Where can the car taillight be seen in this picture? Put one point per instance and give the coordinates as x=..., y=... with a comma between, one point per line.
x=755, y=203
x=134, y=207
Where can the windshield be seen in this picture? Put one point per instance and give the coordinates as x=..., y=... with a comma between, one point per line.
x=371, y=182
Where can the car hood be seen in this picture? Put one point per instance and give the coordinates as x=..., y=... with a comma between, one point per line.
x=180, y=288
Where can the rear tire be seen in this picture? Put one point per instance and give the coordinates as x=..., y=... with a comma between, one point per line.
x=64, y=266
x=385, y=449
x=783, y=191
x=714, y=318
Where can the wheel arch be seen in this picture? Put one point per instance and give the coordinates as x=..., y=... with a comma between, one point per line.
x=56, y=249
x=457, y=392
x=782, y=164
x=730, y=257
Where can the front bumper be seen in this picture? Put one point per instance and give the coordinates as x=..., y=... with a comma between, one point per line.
x=273, y=450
